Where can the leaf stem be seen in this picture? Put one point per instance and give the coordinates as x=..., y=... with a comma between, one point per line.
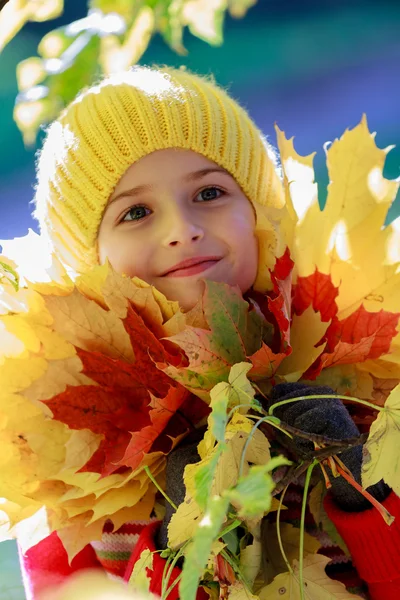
x=302, y=523
x=278, y=531
x=171, y=587
x=385, y=514
x=256, y=425
x=168, y=499
x=322, y=397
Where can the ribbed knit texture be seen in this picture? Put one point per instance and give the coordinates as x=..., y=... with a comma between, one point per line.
x=114, y=550
x=365, y=532
x=126, y=117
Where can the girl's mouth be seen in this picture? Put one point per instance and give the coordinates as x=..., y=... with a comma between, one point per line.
x=193, y=270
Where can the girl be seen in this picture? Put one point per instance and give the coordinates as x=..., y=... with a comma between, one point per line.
x=163, y=174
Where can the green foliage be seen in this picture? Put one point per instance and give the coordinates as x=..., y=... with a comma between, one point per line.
x=113, y=36
x=204, y=478
x=253, y=493
x=200, y=548
x=9, y=275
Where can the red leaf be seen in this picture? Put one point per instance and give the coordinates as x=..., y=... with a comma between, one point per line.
x=362, y=324
x=316, y=290
x=223, y=572
x=160, y=413
x=362, y=335
x=132, y=404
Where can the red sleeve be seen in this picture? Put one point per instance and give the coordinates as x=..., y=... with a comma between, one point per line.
x=373, y=545
x=146, y=541
x=46, y=564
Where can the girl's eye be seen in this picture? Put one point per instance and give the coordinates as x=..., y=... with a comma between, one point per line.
x=135, y=213
x=210, y=193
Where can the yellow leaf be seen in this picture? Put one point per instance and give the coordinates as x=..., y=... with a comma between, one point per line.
x=273, y=562
x=115, y=57
x=250, y=561
x=381, y=450
x=30, y=72
x=85, y=324
x=238, y=390
x=185, y=520
x=238, y=8
x=16, y=13
x=352, y=246
x=183, y=523
x=139, y=580
x=204, y=19
x=319, y=586
x=301, y=191
x=239, y=592
x=115, y=499
x=351, y=380
x=77, y=534
x=305, y=332
x=55, y=377
x=271, y=243
x=35, y=262
x=80, y=447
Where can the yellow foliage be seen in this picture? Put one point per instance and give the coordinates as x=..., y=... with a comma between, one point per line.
x=185, y=520
x=381, y=451
x=319, y=586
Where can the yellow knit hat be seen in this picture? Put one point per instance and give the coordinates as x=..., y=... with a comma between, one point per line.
x=127, y=116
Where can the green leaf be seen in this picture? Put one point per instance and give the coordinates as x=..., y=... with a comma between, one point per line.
x=199, y=550
x=204, y=476
x=252, y=495
x=169, y=22
x=9, y=274
x=236, y=330
x=218, y=417
x=16, y=13
x=54, y=43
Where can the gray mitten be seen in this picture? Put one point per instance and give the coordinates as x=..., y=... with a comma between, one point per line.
x=328, y=417
x=183, y=455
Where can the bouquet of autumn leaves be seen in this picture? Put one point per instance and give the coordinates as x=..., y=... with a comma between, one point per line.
x=102, y=376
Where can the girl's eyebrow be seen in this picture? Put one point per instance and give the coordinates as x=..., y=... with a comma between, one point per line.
x=194, y=176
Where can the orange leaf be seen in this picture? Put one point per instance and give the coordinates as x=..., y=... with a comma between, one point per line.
x=265, y=363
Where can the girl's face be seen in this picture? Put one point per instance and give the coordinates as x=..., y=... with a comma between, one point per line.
x=173, y=206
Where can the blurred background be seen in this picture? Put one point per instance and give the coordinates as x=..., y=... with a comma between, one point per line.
x=312, y=67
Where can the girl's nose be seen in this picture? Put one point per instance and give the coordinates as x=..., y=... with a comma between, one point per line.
x=181, y=228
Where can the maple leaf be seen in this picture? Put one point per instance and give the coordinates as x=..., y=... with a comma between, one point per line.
x=235, y=332
x=319, y=585
x=77, y=396
x=128, y=406
x=275, y=305
x=265, y=363
x=347, y=240
x=360, y=336
x=306, y=332
x=318, y=291
x=381, y=450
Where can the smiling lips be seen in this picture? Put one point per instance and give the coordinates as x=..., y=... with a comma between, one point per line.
x=192, y=266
